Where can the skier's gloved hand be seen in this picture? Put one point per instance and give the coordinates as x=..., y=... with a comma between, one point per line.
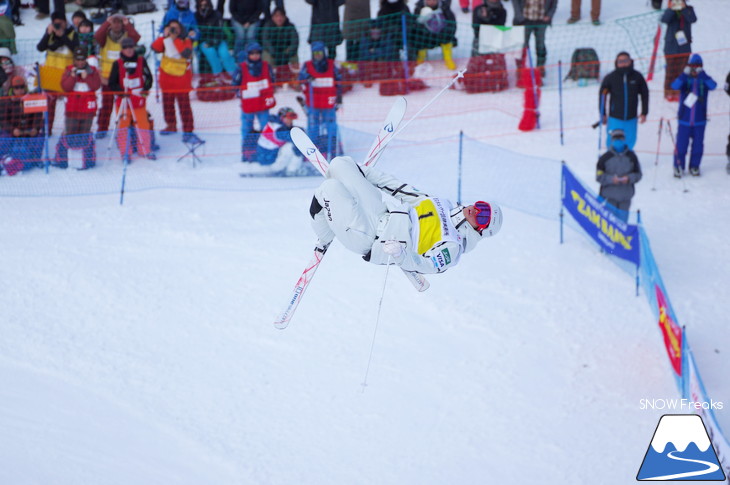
x=393, y=249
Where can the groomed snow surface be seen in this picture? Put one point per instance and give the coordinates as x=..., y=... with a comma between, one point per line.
x=138, y=347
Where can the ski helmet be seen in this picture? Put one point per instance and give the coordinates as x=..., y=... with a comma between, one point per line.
x=471, y=236
x=253, y=47
x=287, y=112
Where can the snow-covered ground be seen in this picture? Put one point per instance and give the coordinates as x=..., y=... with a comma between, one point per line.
x=137, y=344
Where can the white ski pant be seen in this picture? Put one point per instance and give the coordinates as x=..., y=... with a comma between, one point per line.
x=353, y=206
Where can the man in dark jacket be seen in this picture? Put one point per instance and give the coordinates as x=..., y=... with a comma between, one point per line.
x=58, y=42
x=617, y=171
x=245, y=15
x=620, y=91
x=679, y=18
x=694, y=86
x=326, y=25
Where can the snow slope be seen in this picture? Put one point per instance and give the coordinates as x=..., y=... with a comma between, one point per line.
x=138, y=347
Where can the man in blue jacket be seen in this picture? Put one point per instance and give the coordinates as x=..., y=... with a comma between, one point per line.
x=694, y=86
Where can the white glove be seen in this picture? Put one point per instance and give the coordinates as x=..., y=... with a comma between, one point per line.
x=393, y=249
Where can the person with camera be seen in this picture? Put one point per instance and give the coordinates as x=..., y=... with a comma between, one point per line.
x=58, y=42
x=679, y=18
x=131, y=78
x=176, y=79
x=22, y=130
x=694, y=86
x=109, y=37
x=80, y=81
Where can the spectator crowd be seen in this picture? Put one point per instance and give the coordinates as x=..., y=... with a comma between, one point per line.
x=102, y=72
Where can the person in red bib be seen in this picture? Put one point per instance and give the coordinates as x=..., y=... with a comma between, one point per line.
x=323, y=95
x=256, y=79
x=176, y=78
x=131, y=79
x=80, y=81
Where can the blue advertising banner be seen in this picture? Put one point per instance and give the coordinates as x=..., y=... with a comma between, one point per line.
x=614, y=235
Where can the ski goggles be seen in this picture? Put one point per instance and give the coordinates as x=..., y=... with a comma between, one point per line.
x=483, y=215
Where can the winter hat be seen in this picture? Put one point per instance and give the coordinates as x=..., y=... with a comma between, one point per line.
x=317, y=46
x=618, y=134
x=287, y=112
x=5, y=52
x=128, y=42
x=695, y=60
x=183, y=4
x=253, y=47
x=58, y=16
x=471, y=236
x=80, y=53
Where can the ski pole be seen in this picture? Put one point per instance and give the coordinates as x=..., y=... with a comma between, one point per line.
x=459, y=75
x=128, y=105
x=377, y=320
x=658, y=144
x=676, y=156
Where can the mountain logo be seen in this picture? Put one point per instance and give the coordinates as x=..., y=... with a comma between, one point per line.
x=680, y=450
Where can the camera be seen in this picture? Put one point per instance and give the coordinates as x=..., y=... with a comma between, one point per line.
x=57, y=25
x=173, y=30
x=79, y=72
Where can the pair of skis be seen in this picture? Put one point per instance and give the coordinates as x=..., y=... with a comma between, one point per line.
x=315, y=157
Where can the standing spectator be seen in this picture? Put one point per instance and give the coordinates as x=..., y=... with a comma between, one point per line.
x=58, y=42
x=435, y=26
x=517, y=17
x=391, y=24
x=23, y=131
x=694, y=86
x=376, y=51
x=257, y=95
x=325, y=25
x=538, y=15
x=575, y=11
x=80, y=81
x=491, y=12
x=323, y=95
x=131, y=77
x=176, y=79
x=617, y=171
x=355, y=24
x=245, y=20
x=109, y=37
x=677, y=42
x=86, y=40
x=180, y=11
x=464, y=4
x=280, y=41
x=620, y=91
x=76, y=19
x=44, y=8
x=727, y=149
x=212, y=39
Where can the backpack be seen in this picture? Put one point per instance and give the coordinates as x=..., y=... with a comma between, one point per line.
x=485, y=73
x=584, y=64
